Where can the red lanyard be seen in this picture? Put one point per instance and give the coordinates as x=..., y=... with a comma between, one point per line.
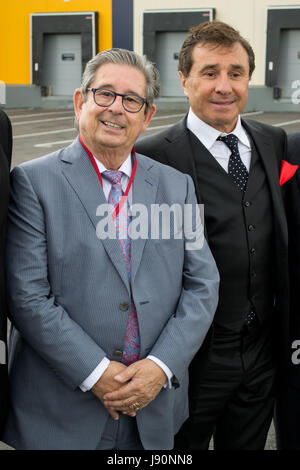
x=96, y=168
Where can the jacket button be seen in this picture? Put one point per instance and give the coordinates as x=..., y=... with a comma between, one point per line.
x=251, y=227
x=118, y=353
x=247, y=203
x=124, y=306
x=253, y=251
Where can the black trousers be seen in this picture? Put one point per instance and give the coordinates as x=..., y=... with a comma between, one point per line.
x=287, y=419
x=234, y=400
x=3, y=397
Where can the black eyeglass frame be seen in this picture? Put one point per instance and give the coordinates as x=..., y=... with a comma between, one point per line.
x=94, y=90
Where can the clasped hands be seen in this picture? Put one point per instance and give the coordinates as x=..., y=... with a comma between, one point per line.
x=129, y=389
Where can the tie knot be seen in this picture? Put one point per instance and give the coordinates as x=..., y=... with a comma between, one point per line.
x=230, y=140
x=113, y=176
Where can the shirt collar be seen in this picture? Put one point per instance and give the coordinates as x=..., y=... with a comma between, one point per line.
x=208, y=134
x=126, y=166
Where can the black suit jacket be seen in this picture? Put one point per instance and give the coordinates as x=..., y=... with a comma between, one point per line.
x=173, y=147
x=5, y=161
x=293, y=216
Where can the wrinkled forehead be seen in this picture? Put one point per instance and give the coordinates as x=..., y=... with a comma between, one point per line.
x=219, y=48
x=215, y=53
x=127, y=77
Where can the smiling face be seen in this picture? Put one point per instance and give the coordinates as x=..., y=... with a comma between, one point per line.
x=217, y=85
x=111, y=131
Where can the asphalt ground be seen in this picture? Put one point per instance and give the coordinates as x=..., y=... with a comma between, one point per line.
x=37, y=132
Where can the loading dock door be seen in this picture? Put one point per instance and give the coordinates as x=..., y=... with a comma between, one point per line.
x=62, y=63
x=167, y=47
x=289, y=61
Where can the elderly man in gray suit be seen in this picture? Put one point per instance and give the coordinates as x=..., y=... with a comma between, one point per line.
x=104, y=325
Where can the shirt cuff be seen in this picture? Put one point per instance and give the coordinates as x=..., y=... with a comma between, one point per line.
x=90, y=381
x=165, y=368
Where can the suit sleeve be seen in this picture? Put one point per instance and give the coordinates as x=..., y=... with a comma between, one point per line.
x=45, y=325
x=293, y=219
x=186, y=329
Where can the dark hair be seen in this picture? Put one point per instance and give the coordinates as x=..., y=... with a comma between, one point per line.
x=212, y=32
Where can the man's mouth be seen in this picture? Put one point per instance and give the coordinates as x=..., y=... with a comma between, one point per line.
x=112, y=124
x=223, y=103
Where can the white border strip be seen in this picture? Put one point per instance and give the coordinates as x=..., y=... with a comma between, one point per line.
x=195, y=10
x=296, y=7
x=64, y=13
x=36, y=134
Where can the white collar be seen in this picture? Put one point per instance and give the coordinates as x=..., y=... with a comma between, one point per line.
x=208, y=134
x=126, y=166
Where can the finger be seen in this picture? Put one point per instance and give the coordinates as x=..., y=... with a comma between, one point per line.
x=119, y=405
x=126, y=375
x=114, y=414
x=128, y=405
x=123, y=393
x=132, y=414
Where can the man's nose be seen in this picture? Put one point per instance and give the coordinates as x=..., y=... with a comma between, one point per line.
x=117, y=105
x=223, y=83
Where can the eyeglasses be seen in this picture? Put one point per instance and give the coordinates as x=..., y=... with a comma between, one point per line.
x=131, y=103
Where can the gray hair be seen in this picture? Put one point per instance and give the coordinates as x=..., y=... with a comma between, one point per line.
x=123, y=57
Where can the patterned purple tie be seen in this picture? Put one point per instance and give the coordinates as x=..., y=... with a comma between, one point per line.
x=131, y=350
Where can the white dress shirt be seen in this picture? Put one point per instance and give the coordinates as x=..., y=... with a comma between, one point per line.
x=208, y=136
x=90, y=381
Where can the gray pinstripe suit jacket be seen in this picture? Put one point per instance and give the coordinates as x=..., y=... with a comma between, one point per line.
x=65, y=288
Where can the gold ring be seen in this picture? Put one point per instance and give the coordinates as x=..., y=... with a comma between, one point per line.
x=135, y=406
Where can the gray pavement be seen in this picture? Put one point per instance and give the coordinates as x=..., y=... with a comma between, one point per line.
x=40, y=131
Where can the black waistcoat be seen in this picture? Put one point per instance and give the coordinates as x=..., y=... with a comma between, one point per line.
x=240, y=234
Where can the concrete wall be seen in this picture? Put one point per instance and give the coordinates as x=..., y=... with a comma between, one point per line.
x=248, y=16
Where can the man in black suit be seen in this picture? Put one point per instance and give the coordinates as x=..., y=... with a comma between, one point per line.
x=288, y=405
x=5, y=161
x=237, y=180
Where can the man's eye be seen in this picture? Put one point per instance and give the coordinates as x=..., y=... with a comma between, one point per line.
x=132, y=99
x=104, y=93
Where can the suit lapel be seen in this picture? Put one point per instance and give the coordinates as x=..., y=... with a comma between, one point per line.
x=180, y=153
x=82, y=177
x=144, y=191
x=267, y=152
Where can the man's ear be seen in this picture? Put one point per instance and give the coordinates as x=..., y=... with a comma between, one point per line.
x=183, y=80
x=149, y=115
x=78, y=102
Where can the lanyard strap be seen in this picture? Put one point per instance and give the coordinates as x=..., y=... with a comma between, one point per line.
x=96, y=168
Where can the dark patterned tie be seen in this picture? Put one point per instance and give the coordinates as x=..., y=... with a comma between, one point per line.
x=236, y=168
x=131, y=349
x=239, y=174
